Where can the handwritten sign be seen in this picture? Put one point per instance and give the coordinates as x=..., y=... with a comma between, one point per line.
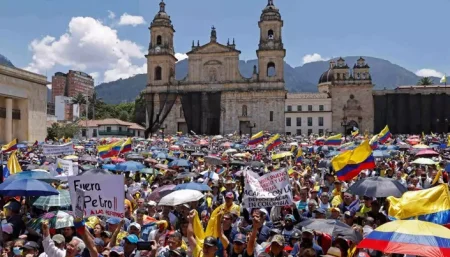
x=79, y=207
x=66, y=166
x=103, y=194
x=272, y=189
x=58, y=149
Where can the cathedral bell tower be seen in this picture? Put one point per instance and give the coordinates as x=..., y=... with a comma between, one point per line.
x=271, y=52
x=161, y=55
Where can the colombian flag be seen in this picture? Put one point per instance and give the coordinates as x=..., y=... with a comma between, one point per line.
x=319, y=141
x=12, y=166
x=349, y=164
x=103, y=150
x=126, y=147
x=299, y=155
x=273, y=142
x=12, y=146
x=115, y=149
x=385, y=134
x=334, y=140
x=374, y=142
x=432, y=205
x=355, y=133
x=256, y=138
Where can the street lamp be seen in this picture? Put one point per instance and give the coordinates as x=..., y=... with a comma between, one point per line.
x=163, y=127
x=251, y=128
x=344, y=124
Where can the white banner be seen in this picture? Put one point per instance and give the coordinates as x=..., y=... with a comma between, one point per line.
x=272, y=189
x=79, y=206
x=66, y=166
x=58, y=149
x=103, y=194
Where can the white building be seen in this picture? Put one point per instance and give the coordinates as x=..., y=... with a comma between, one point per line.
x=65, y=110
x=307, y=113
x=109, y=128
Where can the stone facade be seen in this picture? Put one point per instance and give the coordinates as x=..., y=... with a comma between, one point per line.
x=23, y=105
x=214, y=87
x=351, y=96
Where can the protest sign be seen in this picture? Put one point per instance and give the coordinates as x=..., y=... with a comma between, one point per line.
x=103, y=194
x=58, y=149
x=272, y=189
x=66, y=166
x=79, y=207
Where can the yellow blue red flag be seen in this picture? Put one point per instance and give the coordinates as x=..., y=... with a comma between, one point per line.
x=349, y=164
x=256, y=138
x=273, y=142
x=11, y=146
x=384, y=135
x=334, y=140
x=12, y=166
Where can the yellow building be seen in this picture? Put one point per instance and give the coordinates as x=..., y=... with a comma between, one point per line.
x=23, y=105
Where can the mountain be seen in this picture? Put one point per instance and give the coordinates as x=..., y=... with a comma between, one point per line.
x=5, y=61
x=298, y=79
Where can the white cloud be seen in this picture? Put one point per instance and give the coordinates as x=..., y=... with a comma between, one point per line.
x=127, y=19
x=111, y=14
x=88, y=45
x=315, y=57
x=95, y=76
x=429, y=73
x=181, y=56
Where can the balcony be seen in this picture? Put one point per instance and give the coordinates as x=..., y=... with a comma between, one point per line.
x=15, y=113
x=115, y=133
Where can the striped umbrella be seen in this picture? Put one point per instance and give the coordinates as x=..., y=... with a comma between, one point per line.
x=61, y=200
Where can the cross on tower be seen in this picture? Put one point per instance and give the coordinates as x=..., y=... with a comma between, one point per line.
x=270, y=2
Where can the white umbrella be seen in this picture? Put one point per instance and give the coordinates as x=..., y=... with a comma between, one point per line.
x=212, y=174
x=424, y=161
x=231, y=150
x=180, y=196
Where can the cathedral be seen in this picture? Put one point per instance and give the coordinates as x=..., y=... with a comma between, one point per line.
x=214, y=98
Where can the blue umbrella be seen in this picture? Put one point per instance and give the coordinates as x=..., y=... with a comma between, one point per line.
x=130, y=166
x=179, y=163
x=193, y=186
x=161, y=155
x=109, y=166
x=380, y=154
x=29, y=174
x=21, y=146
x=26, y=187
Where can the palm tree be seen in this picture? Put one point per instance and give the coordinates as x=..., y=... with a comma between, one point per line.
x=79, y=99
x=425, y=81
x=94, y=100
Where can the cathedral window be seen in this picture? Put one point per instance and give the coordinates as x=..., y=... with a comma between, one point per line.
x=358, y=75
x=271, y=69
x=181, y=112
x=363, y=75
x=158, y=40
x=270, y=34
x=244, y=110
x=158, y=73
x=338, y=76
x=212, y=75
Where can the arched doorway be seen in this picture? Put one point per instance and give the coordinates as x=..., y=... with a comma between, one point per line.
x=351, y=126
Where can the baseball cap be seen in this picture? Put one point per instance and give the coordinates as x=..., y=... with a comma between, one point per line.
x=179, y=252
x=117, y=249
x=289, y=217
x=240, y=238
x=320, y=210
x=132, y=239
x=229, y=195
x=296, y=235
x=7, y=228
x=151, y=203
x=136, y=225
x=325, y=194
x=348, y=214
x=335, y=209
x=307, y=230
x=113, y=221
x=279, y=239
x=264, y=211
x=333, y=252
x=144, y=183
x=58, y=238
x=31, y=245
x=210, y=241
x=99, y=242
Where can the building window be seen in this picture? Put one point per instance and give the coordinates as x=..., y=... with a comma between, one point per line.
x=310, y=108
x=158, y=73
x=299, y=108
x=309, y=121
x=289, y=108
x=244, y=110
x=270, y=34
x=271, y=116
x=309, y=132
x=271, y=69
x=299, y=132
x=299, y=121
x=321, y=108
x=108, y=129
x=288, y=122
x=94, y=133
x=321, y=121
x=120, y=128
x=181, y=112
x=288, y=133
x=158, y=40
x=320, y=132
x=83, y=132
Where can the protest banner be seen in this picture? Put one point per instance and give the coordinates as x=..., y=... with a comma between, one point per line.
x=79, y=206
x=58, y=149
x=272, y=189
x=66, y=166
x=103, y=194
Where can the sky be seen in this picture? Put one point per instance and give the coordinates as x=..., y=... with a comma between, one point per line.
x=109, y=38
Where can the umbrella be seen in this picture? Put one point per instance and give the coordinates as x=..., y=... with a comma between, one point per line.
x=135, y=157
x=212, y=175
x=95, y=172
x=181, y=196
x=109, y=166
x=150, y=171
x=213, y=160
x=197, y=154
x=334, y=228
x=184, y=175
x=29, y=174
x=413, y=237
x=427, y=152
x=61, y=200
x=160, y=192
x=179, y=163
x=88, y=158
x=130, y=166
x=424, y=161
x=193, y=186
x=56, y=220
x=381, y=154
x=256, y=164
x=26, y=187
x=377, y=187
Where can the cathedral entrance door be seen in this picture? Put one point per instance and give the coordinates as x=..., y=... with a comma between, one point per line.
x=182, y=127
x=244, y=127
x=351, y=126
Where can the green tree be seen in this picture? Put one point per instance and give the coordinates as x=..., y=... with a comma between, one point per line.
x=124, y=116
x=79, y=99
x=58, y=130
x=425, y=81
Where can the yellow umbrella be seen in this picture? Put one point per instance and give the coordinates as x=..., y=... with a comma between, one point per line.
x=281, y=155
x=421, y=146
x=71, y=157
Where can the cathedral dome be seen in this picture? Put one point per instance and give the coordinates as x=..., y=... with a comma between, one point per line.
x=327, y=76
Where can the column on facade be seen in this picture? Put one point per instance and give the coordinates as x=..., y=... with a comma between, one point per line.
x=8, y=121
x=205, y=112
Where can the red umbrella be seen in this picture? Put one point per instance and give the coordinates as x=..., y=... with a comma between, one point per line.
x=160, y=192
x=227, y=144
x=203, y=142
x=427, y=152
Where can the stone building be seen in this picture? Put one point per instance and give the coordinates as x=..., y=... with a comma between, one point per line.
x=351, y=95
x=214, y=98
x=23, y=105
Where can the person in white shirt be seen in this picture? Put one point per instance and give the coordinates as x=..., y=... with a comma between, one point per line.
x=60, y=243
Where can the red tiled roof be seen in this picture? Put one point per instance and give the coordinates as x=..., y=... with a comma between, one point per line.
x=96, y=123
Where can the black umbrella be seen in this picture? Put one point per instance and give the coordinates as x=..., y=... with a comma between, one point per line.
x=377, y=187
x=135, y=157
x=255, y=164
x=197, y=154
x=237, y=163
x=334, y=228
x=95, y=172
